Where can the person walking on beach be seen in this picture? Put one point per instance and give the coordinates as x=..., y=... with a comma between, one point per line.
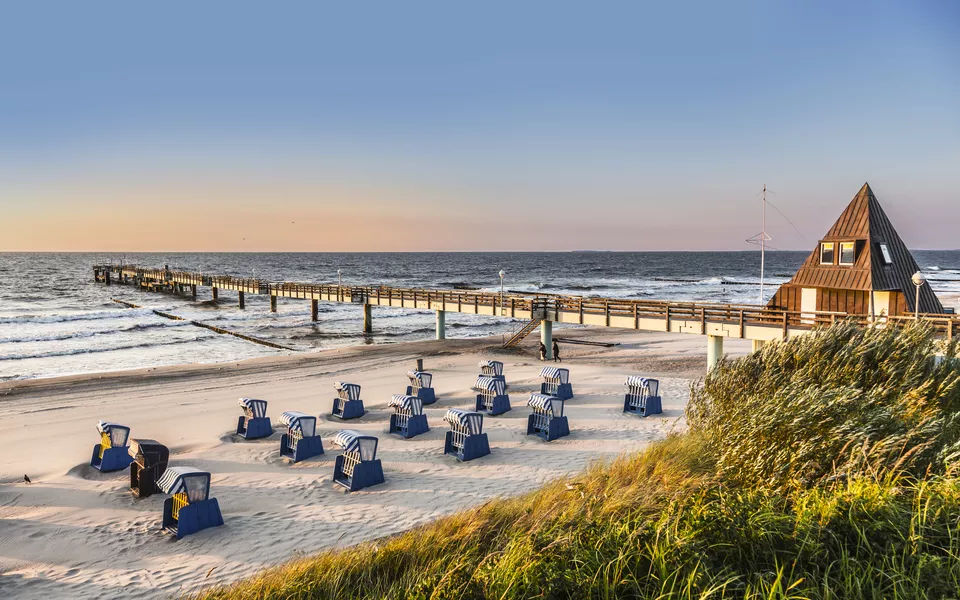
x=543, y=352
x=556, y=352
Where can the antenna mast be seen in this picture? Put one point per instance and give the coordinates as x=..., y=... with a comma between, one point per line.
x=762, y=238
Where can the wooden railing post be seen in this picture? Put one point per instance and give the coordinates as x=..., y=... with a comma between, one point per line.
x=784, y=324
x=668, y=319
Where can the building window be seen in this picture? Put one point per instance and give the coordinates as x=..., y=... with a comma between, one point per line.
x=886, y=254
x=847, y=253
x=826, y=253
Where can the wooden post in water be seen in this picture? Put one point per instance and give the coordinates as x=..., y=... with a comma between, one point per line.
x=216, y=294
x=240, y=300
x=367, y=318
x=313, y=309
x=193, y=291
x=273, y=304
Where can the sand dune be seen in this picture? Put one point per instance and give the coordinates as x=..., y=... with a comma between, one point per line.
x=75, y=532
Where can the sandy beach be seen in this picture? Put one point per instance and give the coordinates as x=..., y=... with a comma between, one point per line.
x=75, y=532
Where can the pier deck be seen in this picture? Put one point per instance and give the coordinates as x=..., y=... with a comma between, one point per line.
x=716, y=321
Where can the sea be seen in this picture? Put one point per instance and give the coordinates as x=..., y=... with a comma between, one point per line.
x=54, y=320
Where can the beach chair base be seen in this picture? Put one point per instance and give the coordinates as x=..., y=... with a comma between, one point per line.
x=143, y=482
x=255, y=428
x=415, y=426
x=307, y=447
x=557, y=427
x=365, y=474
x=500, y=405
x=114, y=459
x=426, y=395
x=651, y=406
x=564, y=391
x=192, y=518
x=474, y=446
x=347, y=409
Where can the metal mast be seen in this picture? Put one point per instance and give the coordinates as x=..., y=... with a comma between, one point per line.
x=762, y=238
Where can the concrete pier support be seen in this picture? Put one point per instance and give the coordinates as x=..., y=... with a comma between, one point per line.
x=314, y=309
x=367, y=318
x=546, y=337
x=273, y=304
x=756, y=345
x=216, y=294
x=714, y=350
x=240, y=300
x=441, y=324
x=193, y=291
x=107, y=278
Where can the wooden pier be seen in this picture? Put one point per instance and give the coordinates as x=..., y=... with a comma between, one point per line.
x=715, y=321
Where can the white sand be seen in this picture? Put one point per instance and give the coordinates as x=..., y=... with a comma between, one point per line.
x=77, y=533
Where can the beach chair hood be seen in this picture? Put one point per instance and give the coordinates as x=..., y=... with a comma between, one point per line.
x=118, y=433
x=555, y=374
x=152, y=451
x=256, y=407
x=645, y=384
x=351, y=440
x=404, y=402
x=348, y=391
x=490, y=384
x=495, y=367
x=471, y=420
x=420, y=378
x=193, y=482
x=298, y=421
x=546, y=404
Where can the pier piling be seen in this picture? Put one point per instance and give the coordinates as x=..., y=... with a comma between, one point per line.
x=313, y=309
x=756, y=345
x=546, y=337
x=441, y=324
x=714, y=350
x=273, y=304
x=367, y=318
x=240, y=300
x=216, y=294
x=193, y=291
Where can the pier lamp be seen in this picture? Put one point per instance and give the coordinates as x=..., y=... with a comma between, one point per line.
x=918, y=280
x=502, y=274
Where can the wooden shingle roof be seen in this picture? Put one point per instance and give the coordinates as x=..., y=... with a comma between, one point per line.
x=864, y=223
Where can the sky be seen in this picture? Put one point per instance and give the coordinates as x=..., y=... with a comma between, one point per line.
x=435, y=126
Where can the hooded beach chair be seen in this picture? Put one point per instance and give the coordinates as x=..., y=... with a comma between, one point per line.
x=420, y=382
x=492, y=368
x=547, y=420
x=254, y=423
x=465, y=440
x=492, y=397
x=407, y=419
x=111, y=454
x=358, y=467
x=643, y=396
x=301, y=441
x=556, y=382
x=150, y=459
x=347, y=404
x=189, y=507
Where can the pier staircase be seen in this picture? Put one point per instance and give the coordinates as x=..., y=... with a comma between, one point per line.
x=526, y=330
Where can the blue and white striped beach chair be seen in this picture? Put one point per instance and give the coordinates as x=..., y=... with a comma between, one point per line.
x=465, y=440
x=358, y=467
x=407, y=419
x=254, y=423
x=492, y=397
x=112, y=453
x=301, y=441
x=420, y=382
x=347, y=404
x=556, y=382
x=547, y=420
x=189, y=508
x=643, y=396
x=492, y=368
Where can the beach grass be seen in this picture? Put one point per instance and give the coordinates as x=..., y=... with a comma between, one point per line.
x=822, y=467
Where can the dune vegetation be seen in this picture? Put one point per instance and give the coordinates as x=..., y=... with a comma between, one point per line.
x=822, y=467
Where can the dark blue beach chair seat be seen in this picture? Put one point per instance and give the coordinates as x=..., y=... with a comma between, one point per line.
x=492, y=397
x=556, y=382
x=420, y=386
x=254, y=422
x=465, y=440
x=407, y=419
x=190, y=507
x=547, y=420
x=111, y=454
x=643, y=396
x=347, y=404
x=358, y=467
x=301, y=441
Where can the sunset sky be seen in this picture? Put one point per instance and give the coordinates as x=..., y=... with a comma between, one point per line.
x=242, y=126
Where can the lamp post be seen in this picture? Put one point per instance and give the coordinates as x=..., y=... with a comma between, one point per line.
x=502, y=274
x=918, y=280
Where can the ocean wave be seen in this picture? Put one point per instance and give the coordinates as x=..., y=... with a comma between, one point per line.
x=75, y=351
x=87, y=316
x=59, y=337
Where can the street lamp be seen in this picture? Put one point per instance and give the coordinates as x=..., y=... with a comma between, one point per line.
x=502, y=274
x=918, y=280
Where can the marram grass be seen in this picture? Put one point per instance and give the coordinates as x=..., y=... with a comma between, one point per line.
x=865, y=505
